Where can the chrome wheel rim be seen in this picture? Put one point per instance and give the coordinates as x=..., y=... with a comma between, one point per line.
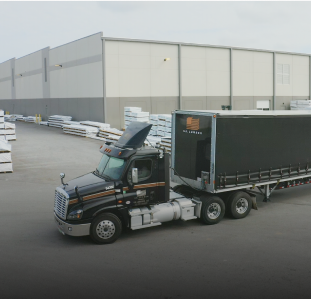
x=213, y=210
x=105, y=229
x=241, y=205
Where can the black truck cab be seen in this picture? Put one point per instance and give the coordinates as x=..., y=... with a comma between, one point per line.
x=111, y=189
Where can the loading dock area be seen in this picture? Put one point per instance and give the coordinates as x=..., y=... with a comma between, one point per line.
x=266, y=255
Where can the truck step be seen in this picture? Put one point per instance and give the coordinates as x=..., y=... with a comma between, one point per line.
x=146, y=225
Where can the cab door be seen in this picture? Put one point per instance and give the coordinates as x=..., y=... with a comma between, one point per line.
x=146, y=190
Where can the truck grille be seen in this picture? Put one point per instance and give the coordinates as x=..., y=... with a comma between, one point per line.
x=60, y=204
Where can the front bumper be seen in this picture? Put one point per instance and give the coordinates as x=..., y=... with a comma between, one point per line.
x=72, y=229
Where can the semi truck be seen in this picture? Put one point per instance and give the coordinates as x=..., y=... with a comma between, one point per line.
x=220, y=161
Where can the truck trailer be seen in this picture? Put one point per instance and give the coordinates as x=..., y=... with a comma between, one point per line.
x=220, y=161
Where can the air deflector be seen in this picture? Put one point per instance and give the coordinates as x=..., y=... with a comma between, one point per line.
x=134, y=135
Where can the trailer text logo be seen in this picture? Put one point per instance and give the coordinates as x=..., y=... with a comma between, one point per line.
x=193, y=125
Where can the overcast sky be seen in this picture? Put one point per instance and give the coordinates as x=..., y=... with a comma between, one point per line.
x=30, y=26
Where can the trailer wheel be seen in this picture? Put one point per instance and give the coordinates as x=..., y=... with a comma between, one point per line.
x=106, y=228
x=213, y=210
x=239, y=204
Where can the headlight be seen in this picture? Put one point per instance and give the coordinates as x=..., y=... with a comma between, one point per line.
x=75, y=215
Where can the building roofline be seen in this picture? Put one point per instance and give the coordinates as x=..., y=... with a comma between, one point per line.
x=100, y=32
x=200, y=45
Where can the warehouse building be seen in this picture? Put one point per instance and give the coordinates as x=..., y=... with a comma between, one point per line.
x=95, y=77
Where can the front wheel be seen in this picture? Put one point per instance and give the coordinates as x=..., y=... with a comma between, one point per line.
x=213, y=210
x=106, y=228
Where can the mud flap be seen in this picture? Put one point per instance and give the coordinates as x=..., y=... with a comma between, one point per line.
x=254, y=202
x=254, y=206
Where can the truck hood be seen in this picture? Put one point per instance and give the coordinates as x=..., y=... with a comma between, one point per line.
x=88, y=183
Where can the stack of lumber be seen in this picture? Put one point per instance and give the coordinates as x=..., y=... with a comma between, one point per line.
x=166, y=143
x=161, y=125
x=5, y=157
x=7, y=130
x=94, y=124
x=300, y=105
x=110, y=134
x=12, y=117
x=58, y=120
x=134, y=114
x=80, y=130
x=30, y=119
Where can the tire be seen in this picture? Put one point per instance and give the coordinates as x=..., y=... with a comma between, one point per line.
x=213, y=210
x=239, y=204
x=106, y=228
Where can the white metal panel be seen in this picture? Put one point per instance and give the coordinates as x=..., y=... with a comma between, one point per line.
x=193, y=52
x=190, y=63
x=217, y=53
x=164, y=51
x=193, y=83
x=157, y=62
x=218, y=83
x=112, y=61
x=263, y=57
x=244, y=66
x=134, y=48
x=242, y=55
x=243, y=84
x=134, y=61
x=111, y=48
x=164, y=83
x=301, y=85
x=217, y=65
x=263, y=67
x=134, y=82
x=112, y=82
x=263, y=84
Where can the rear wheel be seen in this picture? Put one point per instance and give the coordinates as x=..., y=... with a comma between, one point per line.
x=106, y=228
x=239, y=204
x=213, y=210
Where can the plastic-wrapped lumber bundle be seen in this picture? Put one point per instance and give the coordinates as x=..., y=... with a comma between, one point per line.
x=12, y=117
x=58, y=120
x=5, y=157
x=7, y=131
x=105, y=132
x=43, y=123
x=94, y=124
x=166, y=142
x=127, y=114
x=30, y=119
x=20, y=118
x=1, y=117
x=300, y=105
x=80, y=130
x=70, y=122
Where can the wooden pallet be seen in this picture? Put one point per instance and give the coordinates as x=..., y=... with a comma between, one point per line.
x=6, y=171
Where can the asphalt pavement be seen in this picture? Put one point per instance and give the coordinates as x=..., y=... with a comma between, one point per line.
x=265, y=255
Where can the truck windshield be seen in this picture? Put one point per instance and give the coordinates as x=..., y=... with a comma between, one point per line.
x=110, y=167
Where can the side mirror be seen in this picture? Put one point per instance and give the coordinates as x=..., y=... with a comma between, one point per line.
x=62, y=176
x=134, y=175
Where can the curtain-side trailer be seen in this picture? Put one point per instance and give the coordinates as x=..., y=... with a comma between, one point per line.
x=219, y=160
